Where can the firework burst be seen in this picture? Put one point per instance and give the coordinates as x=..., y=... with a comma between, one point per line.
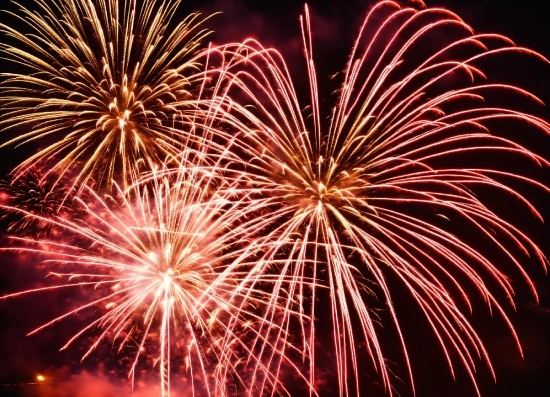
x=156, y=270
x=40, y=194
x=107, y=85
x=379, y=193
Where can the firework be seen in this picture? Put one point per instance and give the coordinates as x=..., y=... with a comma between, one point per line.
x=40, y=194
x=156, y=270
x=106, y=85
x=385, y=190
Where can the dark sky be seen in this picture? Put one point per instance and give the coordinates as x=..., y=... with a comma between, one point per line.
x=335, y=24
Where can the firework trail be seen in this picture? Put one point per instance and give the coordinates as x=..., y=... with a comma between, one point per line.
x=106, y=85
x=156, y=270
x=385, y=190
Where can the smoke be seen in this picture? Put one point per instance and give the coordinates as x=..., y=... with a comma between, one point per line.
x=96, y=384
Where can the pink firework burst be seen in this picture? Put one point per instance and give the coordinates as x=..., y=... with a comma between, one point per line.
x=382, y=193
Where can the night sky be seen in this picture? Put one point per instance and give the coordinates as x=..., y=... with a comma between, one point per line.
x=335, y=25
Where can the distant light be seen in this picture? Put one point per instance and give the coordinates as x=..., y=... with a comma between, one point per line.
x=40, y=378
